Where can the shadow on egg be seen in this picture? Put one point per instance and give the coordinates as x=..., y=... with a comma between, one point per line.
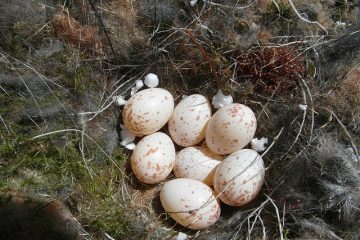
x=166, y=219
x=228, y=211
x=131, y=180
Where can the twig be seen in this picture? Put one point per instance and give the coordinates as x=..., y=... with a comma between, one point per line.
x=345, y=130
x=301, y=126
x=92, y=140
x=312, y=106
x=352, y=69
x=37, y=31
x=6, y=127
x=276, y=5
x=97, y=112
x=97, y=14
x=227, y=6
x=278, y=218
x=272, y=144
x=82, y=149
x=258, y=212
x=306, y=20
x=303, y=119
x=206, y=57
x=23, y=81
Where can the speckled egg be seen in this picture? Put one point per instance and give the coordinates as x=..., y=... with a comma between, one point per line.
x=190, y=203
x=231, y=128
x=239, y=177
x=153, y=158
x=187, y=124
x=148, y=110
x=198, y=163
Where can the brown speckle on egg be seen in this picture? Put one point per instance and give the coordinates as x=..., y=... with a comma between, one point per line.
x=239, y=177
x=233, y=121
x=139, y=112
x=149, y=159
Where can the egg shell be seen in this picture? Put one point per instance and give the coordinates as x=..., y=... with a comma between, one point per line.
x=198, y=163
x=190, y=203
x=231, y=128
x=187, y=124
x=148, y=110
x=153, y=158
x=239, y=177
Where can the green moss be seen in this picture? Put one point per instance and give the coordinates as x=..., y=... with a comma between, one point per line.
x=22, y=39
x=107, y=213
x=34, y=166
x=10, y=103
x=13, y=45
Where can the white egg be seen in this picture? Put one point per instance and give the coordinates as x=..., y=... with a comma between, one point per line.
x=148, y=110
x=231, y=128
x=187, y=124
x=190, y=203
x=239, y=177
x=198, y=163
x=153, y=158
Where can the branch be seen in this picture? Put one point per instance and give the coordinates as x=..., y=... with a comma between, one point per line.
x=206, y=57
x=307, y=20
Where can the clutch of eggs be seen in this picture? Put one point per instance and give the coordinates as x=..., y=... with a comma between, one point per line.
x=189, y=200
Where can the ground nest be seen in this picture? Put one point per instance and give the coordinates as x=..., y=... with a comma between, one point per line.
x=63, y=65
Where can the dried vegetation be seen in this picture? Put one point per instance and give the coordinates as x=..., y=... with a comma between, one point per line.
x=70, y=31
x=271, y=70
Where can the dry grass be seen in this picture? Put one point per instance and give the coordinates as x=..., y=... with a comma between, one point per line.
x=69, y=30
x=345, y=100
x=121, y=19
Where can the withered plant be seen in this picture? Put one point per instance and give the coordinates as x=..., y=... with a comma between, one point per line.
x=69, y=30
x=271, y=69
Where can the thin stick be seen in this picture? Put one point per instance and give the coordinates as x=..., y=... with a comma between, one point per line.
x=6, y=127
x=23, y=81
x=278, y=218
x=276, y=5
x=272, y=144
x=206, y=57
x=346, y=132
x=97, y=14
x=306, y=20
x=79, y=131
x=251, y=214
x=82, y=150
x=275, y=139
x=301, y=125
x=228, y=6
x=312, y=106
x=250, y=229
